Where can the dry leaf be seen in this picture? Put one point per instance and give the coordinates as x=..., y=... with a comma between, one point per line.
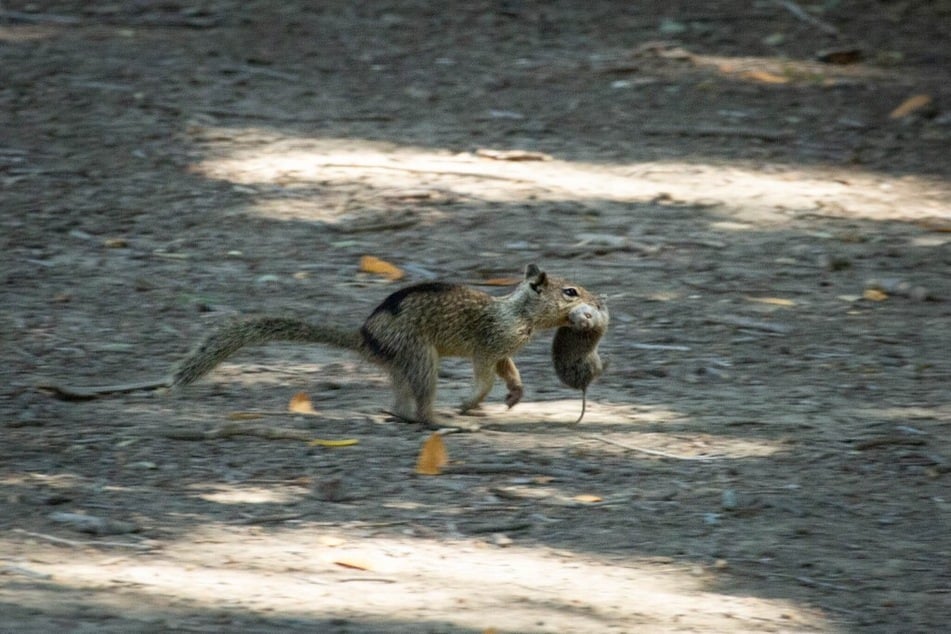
x=765, y=77
x=343, y=442
x=432, y=457
x=587, y=498
x=370, y=264
x=354, y=562
x=772, y=301
x=874, y=295
x=910, y=105
x=245, y=416
x=300, y=404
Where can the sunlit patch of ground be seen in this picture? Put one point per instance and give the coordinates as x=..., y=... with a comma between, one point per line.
x=740, y=195
x=315, y=572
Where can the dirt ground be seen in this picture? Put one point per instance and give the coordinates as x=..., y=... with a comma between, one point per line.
x=770, y=449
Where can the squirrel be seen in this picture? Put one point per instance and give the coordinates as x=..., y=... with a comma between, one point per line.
x=574, y=350
x=406, y=334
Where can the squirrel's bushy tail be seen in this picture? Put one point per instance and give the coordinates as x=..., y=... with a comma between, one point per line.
x=221, y=344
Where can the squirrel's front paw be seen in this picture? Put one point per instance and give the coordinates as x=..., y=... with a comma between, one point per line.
x=514, y=396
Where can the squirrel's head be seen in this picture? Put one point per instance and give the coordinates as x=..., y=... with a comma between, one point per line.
x=553, y=298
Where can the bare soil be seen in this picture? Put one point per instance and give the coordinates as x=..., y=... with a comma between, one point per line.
x=770, y=449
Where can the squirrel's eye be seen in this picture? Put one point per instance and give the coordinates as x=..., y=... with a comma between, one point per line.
x=569, y=292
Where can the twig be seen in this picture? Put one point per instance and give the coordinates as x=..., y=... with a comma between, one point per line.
x=171, y=21
x=38, y=18
x=809, y=582
x=659, y=346
x=416, y=170
x=501, y=527
x=710, y=130
x=506, y=469
x=881, y=441
x=272, y=519
x=753, y=324
x=801, y=13
x=80, y=543
x=379, y=226
x=652, y=452
x=258, y=70
x=280, y=118
x=231, y=430
x=89, y=392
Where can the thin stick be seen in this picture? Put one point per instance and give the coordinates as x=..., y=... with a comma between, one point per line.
x=710, y=130
x=882, y=441
x=77, y=543
x=231, y=430
x=280, y=118
x=659, y=346
x=652, y=452
x=507, y=469
x=753, y=324
x=89, y=392
x=419, y=170
x=801, y=13
x=38, y=18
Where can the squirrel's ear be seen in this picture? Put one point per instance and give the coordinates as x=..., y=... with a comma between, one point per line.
x=536, y=277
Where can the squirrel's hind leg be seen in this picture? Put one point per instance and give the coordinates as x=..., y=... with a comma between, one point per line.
x=414, y=383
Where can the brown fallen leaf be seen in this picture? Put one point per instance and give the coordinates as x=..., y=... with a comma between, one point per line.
x=433, y=456
x=371, y=264
x=324, y=442
x=772, y=301
x=874, y=295
x=910, y=105
x=355, y=563
x=765, y=77
x=300, y=404
x=587, y=498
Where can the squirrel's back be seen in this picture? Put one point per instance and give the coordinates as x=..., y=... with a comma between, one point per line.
x=456, y=320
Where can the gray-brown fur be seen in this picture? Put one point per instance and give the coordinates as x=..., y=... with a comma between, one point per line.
x=221, y=344
x=574, y=349
x=413, y=328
